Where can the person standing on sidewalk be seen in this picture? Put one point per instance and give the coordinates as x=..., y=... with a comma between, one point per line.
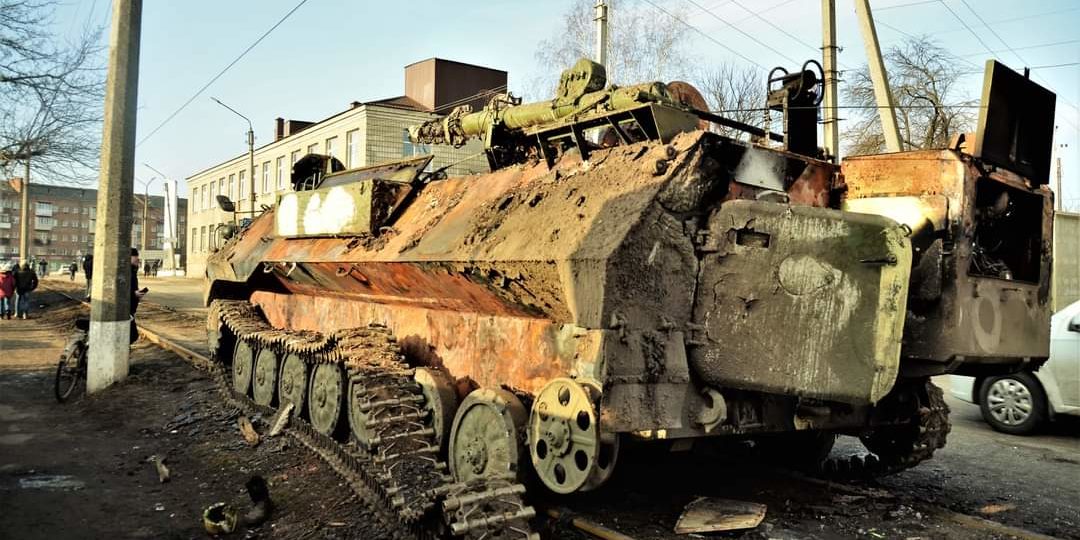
x=26, y=281
x=43, y=266
x=72, y=269
x=7, y=291
x=88, y=270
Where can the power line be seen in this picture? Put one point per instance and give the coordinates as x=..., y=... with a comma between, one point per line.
x=220, y=73
x=992, y=31
x=747, y=35
x=909, y=4
x=1026, y=47
x=963, y=22
x=770, y=23
x=707, y=36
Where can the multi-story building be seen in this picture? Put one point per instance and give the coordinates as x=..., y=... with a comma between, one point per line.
x=64, y=219
x=366, y=133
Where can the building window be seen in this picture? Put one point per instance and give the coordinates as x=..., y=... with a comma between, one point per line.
x=213, y=193
x=204, y=199
x=331, y=147
x=352, y=149
x=220, y=189
x=266, y=177
x=410, y=149
x=294, y=157
x=281, y=172
x=312, y=148
x=194, y=238
x=43, y=208
x=202, y=238
x=242, y=195
x=232, y=187
x=194, y=200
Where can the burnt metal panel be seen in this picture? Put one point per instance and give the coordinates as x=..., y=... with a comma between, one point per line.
x=1016, y=123
x=802, y=301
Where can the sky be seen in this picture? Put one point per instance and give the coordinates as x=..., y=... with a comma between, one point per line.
x=329, y=53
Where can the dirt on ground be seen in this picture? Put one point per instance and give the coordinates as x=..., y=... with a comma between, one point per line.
x=81, y=469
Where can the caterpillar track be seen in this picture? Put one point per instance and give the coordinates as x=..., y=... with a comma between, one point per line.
x=389, y=454
x=896, y=448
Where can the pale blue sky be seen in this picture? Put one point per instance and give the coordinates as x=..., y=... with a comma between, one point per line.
x=332, y=52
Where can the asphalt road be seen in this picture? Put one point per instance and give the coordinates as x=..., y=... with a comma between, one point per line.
x=1031, y=482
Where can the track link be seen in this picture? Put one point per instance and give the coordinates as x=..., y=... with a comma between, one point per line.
x=399, y=470
x=911, y=444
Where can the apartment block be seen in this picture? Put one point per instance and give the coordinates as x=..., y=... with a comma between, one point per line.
x=366, y=133
x=63, y=223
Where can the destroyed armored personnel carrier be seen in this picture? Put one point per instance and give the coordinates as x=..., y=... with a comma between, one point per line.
x=623, y=273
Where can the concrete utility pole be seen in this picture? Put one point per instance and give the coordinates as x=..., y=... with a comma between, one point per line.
x=886, y=109
x=1058, y=196
x=24, y=216
x=601, y=18
x=111, y=285
x=251, y=153
x=828, y=53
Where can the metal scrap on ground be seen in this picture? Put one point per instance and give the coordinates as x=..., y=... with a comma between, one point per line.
x=710, y=514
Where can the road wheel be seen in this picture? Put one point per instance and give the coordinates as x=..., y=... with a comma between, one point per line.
x=264, y=385
x=326, y=393
x=1013, y=404
x=243, y=363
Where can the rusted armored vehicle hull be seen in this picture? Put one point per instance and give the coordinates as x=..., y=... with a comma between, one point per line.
x=674, y=284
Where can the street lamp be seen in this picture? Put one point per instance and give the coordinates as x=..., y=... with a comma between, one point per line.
x=170, y=223
x=251, y=153
x=145, y=206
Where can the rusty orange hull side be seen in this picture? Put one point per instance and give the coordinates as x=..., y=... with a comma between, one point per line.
x=488, y=350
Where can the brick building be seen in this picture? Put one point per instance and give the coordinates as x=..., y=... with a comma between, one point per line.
x=63, y=223
x=364, y=134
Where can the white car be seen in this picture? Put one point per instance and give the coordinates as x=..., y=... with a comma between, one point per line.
x=1019, y=402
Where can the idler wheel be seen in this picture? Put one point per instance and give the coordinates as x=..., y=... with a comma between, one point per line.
x=440, y=399
x=243, y=362
x=326, y=393
x=605, y=463
x=484, y=439
x=358, y=413
x=264, y=385
x=564, y=440
x=292, y=383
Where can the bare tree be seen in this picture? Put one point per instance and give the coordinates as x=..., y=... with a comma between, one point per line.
x=930, y=107
x=645, y=45
x=51, y=93
x=735, y=92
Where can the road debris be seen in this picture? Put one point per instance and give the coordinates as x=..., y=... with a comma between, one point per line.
x=260, y=497
x=710, y=514
x=281, y=420
x=162, y=470
x=219, y=518
x=248, y=430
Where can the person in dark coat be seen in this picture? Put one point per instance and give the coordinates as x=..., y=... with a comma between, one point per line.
x=136, y=292
x=26, y=280
x=88, y=271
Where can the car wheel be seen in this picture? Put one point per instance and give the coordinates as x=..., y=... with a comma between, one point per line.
x=1013, y=403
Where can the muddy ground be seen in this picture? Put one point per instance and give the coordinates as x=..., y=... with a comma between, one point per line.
x=79, y=470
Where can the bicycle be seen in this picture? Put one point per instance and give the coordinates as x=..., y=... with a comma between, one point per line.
x=73, y=361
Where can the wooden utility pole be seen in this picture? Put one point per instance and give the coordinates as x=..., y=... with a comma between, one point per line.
x=601, y=18
x=828, y=53
x=111, y=286
x=886, y=109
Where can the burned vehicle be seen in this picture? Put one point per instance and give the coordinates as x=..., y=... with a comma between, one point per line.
x=626, y=273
